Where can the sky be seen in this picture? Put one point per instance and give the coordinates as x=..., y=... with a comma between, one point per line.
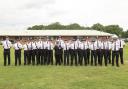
x=20, y=14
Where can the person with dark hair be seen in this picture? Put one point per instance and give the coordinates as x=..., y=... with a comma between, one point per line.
x=25, y=47
x=66, y=52
x=6, y=45
x=58, y=52
x=17, y=46
x=93, y=48
x=115, y=51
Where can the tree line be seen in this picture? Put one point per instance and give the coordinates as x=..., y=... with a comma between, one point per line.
x=113, y=29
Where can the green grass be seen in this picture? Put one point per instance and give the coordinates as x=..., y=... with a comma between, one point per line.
x=61, y=77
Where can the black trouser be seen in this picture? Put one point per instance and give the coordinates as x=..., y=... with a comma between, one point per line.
x=7, y=54
x=80, y=54
x=45, y=56
x=42, y=56
x=61, y=57
x=93, y=57
x=103, y=56
x=37, y=56
x=17, y=57
x=50, y=57
x=115, y=54
x=29, y=56
x=66, y=57
x=58, y=59
x=88, y=56
x=73, y=56
x=25, y=57
x=109, y=56
x=85, y=57
x=121, y=55
x=34, y=51
x=98, y=55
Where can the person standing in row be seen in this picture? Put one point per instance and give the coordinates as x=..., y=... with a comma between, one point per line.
x=122, y=44
x=103, y=52
x=29, y=51
x=6, y=45
x=26, y=54
x=108, y=48
x=88, y=50
x=50, y=52
x=98, y=51
x=85, y=52
x=61, y=43
x=66, y=52
x=81, y=52
x=58, y=52
x=115, y=51
x=93, y=47
x=40, y=51
x=18, y=47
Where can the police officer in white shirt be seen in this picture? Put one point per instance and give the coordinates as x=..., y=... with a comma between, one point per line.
x=122, y=44
x=25, y=47
x=50, y=52
x=29, y=51
x=6, y=45
x=109, y=46
x=88, y=49
x=66, y=47
x=103, y=52
x=18, y=47
x=115, y=51
x=40, y=51
x=98, y=42
x=61, y=42
x=81, y=52
x=93, y=48
x=73, y=52
x=34, y=53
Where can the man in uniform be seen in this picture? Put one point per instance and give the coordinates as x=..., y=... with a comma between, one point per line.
x=93, y=47
x=50, y=52
x=122, y=44
x=29, y=51
x=103, y=52
x=60, y=42
x=17, y=46
x=66, y=52
x=25, y=47
x=115, y=51
x=98, y=42
x=6, y=45
x=88, y=50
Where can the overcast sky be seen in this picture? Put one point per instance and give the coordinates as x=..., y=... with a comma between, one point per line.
x=19, y=14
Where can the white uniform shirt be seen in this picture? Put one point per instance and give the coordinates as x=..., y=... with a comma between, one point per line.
x=29, y=46
x=108, y=45
x=50, y=46
x=6, y=44
x=103, y=45
x=82, y=46
x=25, y=47
x=121, y=43
x=76, y=44
x=98, y=44
x=72, y=45
x=93, y=46
x=66, y=46
x=17, y=46
x=115, y=46
x=34, y=45
x=61, y=42
x=87, y=44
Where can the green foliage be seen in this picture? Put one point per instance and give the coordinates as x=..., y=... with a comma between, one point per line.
x=113, y=29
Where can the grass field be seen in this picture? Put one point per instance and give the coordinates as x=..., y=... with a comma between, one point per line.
x=61, y=77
